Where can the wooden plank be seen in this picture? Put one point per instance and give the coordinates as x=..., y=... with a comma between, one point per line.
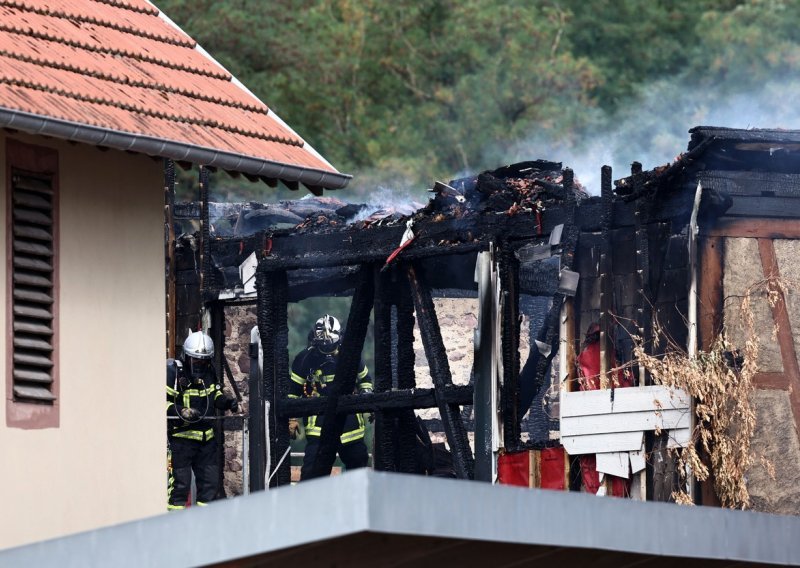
x=755, y=228
x=637, y=459
x=625, y=422
x=777, y=381
x=780, y=314
x=614, y=463
x=535, y=468
x=635, y=399
x=602, y=443
x=710, y=291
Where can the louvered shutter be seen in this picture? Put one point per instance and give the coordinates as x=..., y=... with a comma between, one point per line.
x=33, y=247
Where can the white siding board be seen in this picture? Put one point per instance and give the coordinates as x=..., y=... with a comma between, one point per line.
x=602, y=443
x=634, y=399
x=625, y=422
x=613, y=463
x=637, y=461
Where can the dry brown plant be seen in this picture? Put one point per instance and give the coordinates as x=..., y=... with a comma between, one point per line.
x=721, y=390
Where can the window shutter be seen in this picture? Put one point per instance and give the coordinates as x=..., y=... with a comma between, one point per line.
x=32, y=299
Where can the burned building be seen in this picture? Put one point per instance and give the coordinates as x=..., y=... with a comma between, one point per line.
x=530, y=263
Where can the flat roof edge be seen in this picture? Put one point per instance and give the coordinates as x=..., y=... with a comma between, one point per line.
x=368, y=501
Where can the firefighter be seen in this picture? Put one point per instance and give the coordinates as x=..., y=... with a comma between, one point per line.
x=313, y=371
x=193, y=396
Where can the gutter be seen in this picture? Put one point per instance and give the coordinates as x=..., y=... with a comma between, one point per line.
x=179, y=151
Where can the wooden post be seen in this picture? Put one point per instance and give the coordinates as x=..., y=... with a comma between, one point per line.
x=509, y=282
x=405, y=453
x=206, y=277
x=169, y=220
x=272, y=292
x=383, y=448
x=606, y=282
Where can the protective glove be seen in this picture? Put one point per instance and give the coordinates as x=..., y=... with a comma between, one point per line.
x=294, y=426
x=233, y=405
x=189, y=414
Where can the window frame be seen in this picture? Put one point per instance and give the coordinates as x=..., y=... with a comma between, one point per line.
x=42, y=162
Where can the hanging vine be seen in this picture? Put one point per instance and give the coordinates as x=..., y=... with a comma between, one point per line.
x=720, y=380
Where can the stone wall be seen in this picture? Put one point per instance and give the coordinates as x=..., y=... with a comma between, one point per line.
x=776, y=435
x=240, y=321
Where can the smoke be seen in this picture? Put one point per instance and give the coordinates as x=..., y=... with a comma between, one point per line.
x=387, y=201
x=653, y=128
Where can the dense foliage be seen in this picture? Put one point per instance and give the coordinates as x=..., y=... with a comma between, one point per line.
x=400, y=93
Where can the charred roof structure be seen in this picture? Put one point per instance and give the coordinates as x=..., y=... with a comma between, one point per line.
x=655, y=246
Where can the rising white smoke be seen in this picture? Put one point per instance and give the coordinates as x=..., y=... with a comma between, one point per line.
x=654, y=128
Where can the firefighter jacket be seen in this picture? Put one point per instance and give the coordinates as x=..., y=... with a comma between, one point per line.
x=312, y=373
x=204, y=395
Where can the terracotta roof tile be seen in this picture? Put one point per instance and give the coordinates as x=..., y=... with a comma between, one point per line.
x=117, y=66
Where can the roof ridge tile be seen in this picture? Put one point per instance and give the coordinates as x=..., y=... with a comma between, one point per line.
x=27, y=7
x=150, y=112
x=124, y=80
x=115, y=51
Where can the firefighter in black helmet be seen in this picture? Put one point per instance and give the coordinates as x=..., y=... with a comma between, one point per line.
x=313, y=371
x=193, y=395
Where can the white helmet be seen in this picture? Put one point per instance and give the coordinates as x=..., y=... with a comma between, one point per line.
x=327, y=334
x=198, y=345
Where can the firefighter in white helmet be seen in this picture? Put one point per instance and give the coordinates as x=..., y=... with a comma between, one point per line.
x=193, y=396
x=313, y=371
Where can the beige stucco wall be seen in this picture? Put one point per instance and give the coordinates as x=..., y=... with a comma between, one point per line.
x=105, y=463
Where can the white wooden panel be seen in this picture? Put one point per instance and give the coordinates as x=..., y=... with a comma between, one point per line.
x=601, y=443
x=247, y=272
x=637, y=461
x=613, y=463
x=633, y=399
x=679, y=438
x=625, y=422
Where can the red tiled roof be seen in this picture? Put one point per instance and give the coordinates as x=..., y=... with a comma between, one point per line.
x=115, y=73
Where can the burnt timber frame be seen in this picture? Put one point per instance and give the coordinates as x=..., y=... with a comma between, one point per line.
x=351, y=258
x=397, y=296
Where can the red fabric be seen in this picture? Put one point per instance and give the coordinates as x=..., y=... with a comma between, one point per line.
x=589, y=367
x=552, y=469
x=620, y=487
x=514, y=469
x=589, y=371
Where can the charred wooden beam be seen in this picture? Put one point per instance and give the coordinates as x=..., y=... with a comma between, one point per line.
x=206, y=276
x=256, y=451
x=383, y=454
x=403, y=371
x=315, y=249
x=217, y=334
x=548, y=339
x=347, y=367
x=606, y=278
x=436, y=355
x=404, y=399
x=281, y=362
x=643, y=310
x=272, y=327
x=169, y=220
x=509, y=282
